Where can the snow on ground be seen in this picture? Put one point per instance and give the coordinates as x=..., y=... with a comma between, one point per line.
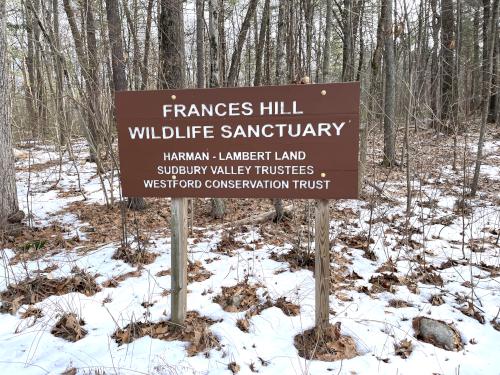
x=439, y=232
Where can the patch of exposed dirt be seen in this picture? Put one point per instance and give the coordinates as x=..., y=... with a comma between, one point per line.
x=195, y=331
x=33, y=290
x=69, y=327
x=134, y=257
x=330, y=346
x=236, y=298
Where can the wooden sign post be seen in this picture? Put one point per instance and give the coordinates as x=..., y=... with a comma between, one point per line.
x=178, y=254
x=322, y=264
x=295, y=142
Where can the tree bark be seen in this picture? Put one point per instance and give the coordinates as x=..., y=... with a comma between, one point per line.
x=390, y=88
x=490, y=30
x=280, y=38
x=232, y=78
x=8, y=192
x=348, y=43
x=436, y=21
x=172, y=64
x=200, y=49
x=328, y=42
x=147, y=41
x=218, y=206
x=118, y=68
x=260, y=44
x=447, y=59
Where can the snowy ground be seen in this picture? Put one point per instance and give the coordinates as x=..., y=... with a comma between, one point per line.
x=439, y=233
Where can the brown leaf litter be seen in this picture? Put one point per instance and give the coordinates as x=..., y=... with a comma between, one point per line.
x=33, y=290
x=197, y=273
x=69, y=327
x=195, y=331
x=105, y=222
x=384, y=282
x=134, y=257
x=399, y=303
x=234, y=367
x=329, y=346
x=115, y=281
x=403, y=349
x=288, y=308
x=227, y=244
x=297, y=259
x=34, y=243
x=236, y=298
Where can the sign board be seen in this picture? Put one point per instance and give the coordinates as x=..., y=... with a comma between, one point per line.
x=296, y=141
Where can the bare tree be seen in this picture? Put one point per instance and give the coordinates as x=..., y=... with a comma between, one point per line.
x=236, y=56
x=447, y=58
x=118, y=67
x=8, y=192
x=264, y=25
x=390, y=87
x=489, y=46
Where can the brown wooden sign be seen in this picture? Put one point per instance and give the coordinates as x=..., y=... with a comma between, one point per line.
x=297, y=141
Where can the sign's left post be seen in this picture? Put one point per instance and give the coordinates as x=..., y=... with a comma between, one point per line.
x=178, y=251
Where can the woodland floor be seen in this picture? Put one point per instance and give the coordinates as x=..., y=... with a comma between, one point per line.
x=75, y=301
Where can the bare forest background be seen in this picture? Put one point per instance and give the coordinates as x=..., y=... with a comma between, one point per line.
x=427, y=64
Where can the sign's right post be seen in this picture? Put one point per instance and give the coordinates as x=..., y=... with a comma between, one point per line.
x=322, y=265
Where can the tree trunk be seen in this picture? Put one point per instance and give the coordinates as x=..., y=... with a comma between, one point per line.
x=260, y=44
x=221, y=32
x=328, y=42
x=309, y=15
x=280, y=38
x=8, y=192
x=118, y=68
x=147, y=38
x=93, y=90
x=200, y=49
x=232, y=78
x=475, y=92
x=348, y=43
x=493, y=109
x=447, y=59
x=489, y=46
x=218, y=206
x=434, y=64
x=212, y=36
x=59, y=70
x=172, y=64
x=390, y=88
